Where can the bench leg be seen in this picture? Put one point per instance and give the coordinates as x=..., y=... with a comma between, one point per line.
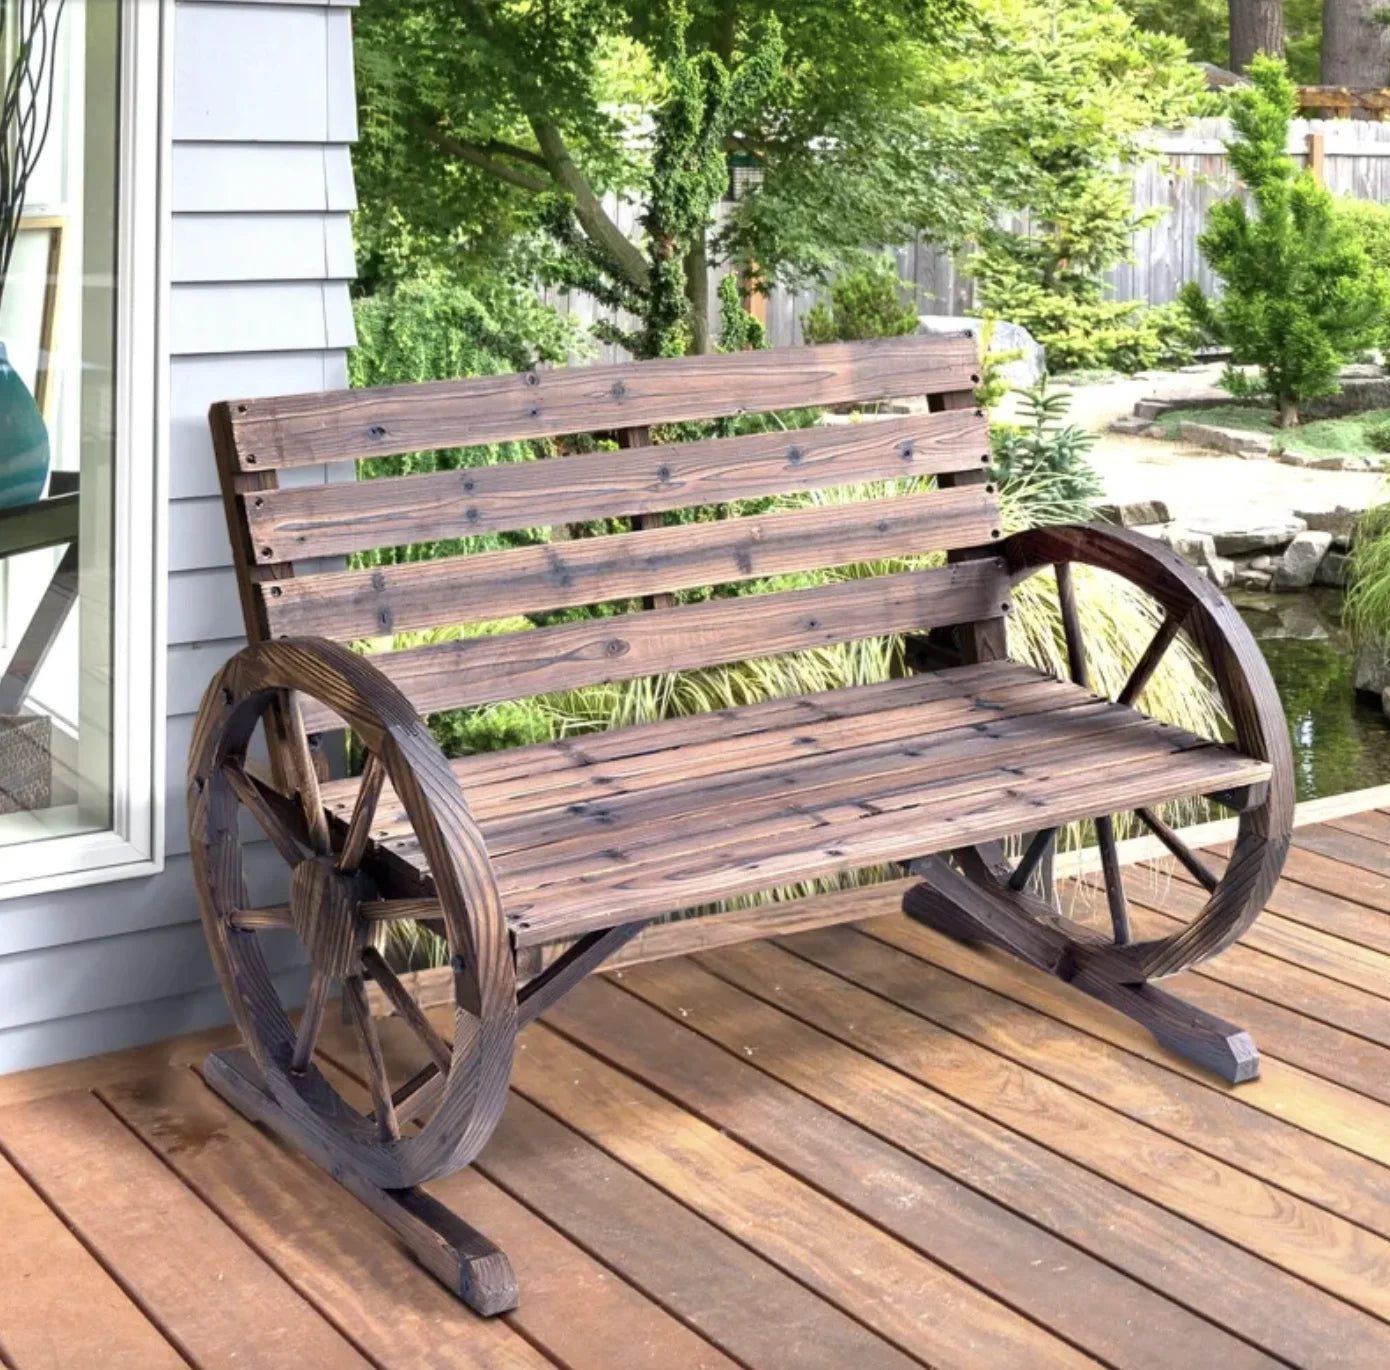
x=1012, y=921
x=456, y=1254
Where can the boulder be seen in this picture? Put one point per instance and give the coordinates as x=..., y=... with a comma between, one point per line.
x=1371, y=669
x=1333, y=570
x=1222, y=572
x=1130, y=423
x=1263, y=562
x=1356, y=396
x=1246, y=579
x=1199, y=549
x=1239, y=540
x=1021, y=373
x=1301, y=560
x=1135, y=514
x=1239, y=442
x=1340, y=522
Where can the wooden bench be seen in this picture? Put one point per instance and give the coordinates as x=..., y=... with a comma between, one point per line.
x=583, y=841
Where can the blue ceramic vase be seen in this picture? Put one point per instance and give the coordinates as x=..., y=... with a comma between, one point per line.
x=23, y=440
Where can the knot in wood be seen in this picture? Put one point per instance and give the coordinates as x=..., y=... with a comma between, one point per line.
x=324, y=910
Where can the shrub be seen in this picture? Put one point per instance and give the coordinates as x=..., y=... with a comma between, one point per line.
x=865, y=302
x=1378, y=435
x=1366, y=610
x=1045, y=462
x=1301, y=296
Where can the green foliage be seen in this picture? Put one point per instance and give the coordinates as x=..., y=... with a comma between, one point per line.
x=1204, y=25
x=1348, y=437
x=1045, y=462
x=1369, y=222
x=1300, y=295
x=1378, y=435
x=1367, y=606
x=866, y=301
x=739, y=331
x=1058, y=102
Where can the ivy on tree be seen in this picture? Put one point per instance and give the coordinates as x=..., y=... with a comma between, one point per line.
x=1300, y=296
x=492, y=130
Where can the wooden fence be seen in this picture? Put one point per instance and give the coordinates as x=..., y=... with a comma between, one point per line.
x=1190, y=173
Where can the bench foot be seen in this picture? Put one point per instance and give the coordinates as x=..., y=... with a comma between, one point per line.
x=1015, y=922
x=457, y=1255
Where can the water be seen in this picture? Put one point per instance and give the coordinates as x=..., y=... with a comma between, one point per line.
x=1340, y=742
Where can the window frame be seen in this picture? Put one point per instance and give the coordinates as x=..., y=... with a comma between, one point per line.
x=133, y=844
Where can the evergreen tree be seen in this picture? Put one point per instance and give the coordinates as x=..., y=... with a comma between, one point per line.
x=1301, y=297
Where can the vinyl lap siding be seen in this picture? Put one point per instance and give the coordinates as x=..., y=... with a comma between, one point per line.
x=260, y=190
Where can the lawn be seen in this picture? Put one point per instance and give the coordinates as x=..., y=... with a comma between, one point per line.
x=1349, y=436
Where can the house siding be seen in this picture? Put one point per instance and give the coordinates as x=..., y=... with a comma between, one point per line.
x=260, y=190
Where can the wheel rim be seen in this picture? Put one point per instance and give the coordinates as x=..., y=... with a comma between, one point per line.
x=1192, y=605
x=335, y=910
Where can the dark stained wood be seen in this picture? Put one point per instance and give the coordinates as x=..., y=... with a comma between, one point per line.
x=1149, y=662
x=328, y=520
x=303, y=430
x=557, y=575
x=581, y=842
x=481, y=670
x=1202, y=873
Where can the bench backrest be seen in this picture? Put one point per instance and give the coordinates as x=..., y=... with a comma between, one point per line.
x=282, y=535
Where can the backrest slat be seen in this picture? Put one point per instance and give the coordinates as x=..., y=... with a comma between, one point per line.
x=303, y=430
x=559, y=575
x=487, y=669
x=353, y=516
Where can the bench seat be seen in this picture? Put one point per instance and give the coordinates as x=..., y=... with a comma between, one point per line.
x=605, y=828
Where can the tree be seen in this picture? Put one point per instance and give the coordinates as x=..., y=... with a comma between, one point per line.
x=1205, y=26
x=1257, y=26
x=1354, y=44
x=493, y=129
x=1301, y=297
x=1057, y=105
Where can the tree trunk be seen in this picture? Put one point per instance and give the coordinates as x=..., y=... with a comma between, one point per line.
x=1354, y=47
x=697, y=292
x=1256, y=26
x=1288, y=412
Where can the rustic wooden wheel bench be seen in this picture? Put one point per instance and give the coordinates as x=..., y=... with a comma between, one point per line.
x=963, y=771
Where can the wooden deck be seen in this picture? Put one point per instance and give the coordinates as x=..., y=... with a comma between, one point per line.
x=856, y=1148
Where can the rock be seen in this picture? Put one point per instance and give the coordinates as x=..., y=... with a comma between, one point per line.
x=1288, y=458
x=1252, y=580
x=1340, y=522
x=1262, y=562
x=1385, y=702
x=1238, y=540
x=1333, y=569
x=1197, y=548
x=1153, y=409
x=1021, y=373
x=1371, y=669
x=1222, y=572
x=1133, y=514
x=1361, y=371
x=1357, y=394
x=1238, y=442
x=1330, y=463
x=1301, y=560
x=1130, y=423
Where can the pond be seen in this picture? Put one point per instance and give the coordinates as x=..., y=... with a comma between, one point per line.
x=1340, y=742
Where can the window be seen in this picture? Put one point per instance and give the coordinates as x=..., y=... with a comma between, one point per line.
x=80, y=565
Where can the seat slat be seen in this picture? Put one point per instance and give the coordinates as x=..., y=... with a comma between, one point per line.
x=304, y=430
x=1009, y=800
x=354, y=516
x=482, y=670
x=575, y=783
x=571, y=573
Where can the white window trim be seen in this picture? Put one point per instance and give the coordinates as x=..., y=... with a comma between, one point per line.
x=134, y=843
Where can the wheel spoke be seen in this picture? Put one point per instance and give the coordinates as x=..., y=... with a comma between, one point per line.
x=248, y=791
x=1036, y=850
x=298, y=759
x=1114, y=880
x=1194, y=865
x=363, y=813
x=1071, y=624
x=310, y=1021
x=1148, y=663
x=418, y=1093
x=355, y=997
x=441, y=1053
x=253, y=920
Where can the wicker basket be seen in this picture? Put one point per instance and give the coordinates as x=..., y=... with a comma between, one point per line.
x=26, y=762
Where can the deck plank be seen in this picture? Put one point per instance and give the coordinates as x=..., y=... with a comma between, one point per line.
x=1201, y=1113
x=1098, y=1308
x=1177, y=1257
x=913, y=1302
x=59, y=1308
x=339, y=1256
x=1307, y=1241
x=191, y=1273
x=1323, y=1108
